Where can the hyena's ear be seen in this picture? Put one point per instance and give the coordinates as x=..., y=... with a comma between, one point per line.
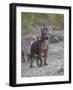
x=50, y=29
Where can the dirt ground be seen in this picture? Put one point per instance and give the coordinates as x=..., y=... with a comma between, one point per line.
x=55, y=60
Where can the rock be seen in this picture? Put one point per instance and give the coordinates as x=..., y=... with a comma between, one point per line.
x=56, y=39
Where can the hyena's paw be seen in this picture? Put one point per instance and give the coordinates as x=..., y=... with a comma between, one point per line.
x=40, y=65
x=45, y=64
x=31, y=66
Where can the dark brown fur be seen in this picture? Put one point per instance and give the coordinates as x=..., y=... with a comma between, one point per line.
x=40, y=48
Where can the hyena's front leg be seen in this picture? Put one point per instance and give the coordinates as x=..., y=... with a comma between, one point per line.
x=45, y=60
x=39, y=61
x=40, y=58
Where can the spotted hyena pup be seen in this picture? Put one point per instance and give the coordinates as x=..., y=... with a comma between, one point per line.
x=40, y=47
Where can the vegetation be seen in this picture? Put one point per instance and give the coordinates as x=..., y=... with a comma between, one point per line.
x=29, y=20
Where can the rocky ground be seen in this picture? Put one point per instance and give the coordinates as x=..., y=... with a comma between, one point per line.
x=55, y=59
